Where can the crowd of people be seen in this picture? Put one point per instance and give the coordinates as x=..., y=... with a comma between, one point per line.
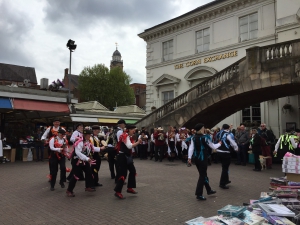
x=123, y=144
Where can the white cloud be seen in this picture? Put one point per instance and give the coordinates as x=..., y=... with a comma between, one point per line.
x=34, y=33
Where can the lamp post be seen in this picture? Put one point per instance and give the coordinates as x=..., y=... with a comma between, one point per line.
x=71, y=46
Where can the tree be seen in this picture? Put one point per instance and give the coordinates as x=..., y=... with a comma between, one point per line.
x=109, y=87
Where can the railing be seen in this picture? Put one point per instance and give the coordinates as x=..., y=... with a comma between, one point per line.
x=270, y=52
x=279, y=51
x=195, y=92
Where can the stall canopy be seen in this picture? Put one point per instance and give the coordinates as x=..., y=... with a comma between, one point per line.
x=108, y=120
x=5, y=103
x=40, y=106
x=131, y=121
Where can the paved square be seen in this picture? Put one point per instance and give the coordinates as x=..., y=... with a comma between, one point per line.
x=166, y=194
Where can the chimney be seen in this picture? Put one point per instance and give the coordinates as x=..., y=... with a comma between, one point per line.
x=66, y=71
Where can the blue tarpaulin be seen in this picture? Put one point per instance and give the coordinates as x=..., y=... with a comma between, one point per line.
x=5, y=103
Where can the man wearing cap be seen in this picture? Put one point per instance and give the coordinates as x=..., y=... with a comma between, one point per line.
x=121, y=127
x=82, y=162
x=227, y=142
x=160, y=142
x=200, y=147
x=57, y=146
x=125, y=162
x=96, y=142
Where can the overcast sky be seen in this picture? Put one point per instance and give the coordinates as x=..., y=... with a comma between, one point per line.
x=34, y=33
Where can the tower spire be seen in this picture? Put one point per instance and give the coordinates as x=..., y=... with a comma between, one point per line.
x=116, y=45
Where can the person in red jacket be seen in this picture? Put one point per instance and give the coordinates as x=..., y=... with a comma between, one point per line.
x=160, y=142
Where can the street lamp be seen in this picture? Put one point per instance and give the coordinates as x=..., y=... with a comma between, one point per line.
x=71, y=46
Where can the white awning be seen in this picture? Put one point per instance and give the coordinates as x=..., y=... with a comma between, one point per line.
x=84, y=119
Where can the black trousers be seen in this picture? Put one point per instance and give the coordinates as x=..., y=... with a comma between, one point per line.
x=77, y=170
x=225, y=160
x=143, y=151
x=112, y=161
x=54, y=162
x=179, y=150
x=203, y=179
x=161, y=150
x=256, y=154
x=71, y=174
x=172, y=149
x=122, y=168
x=152, y=146
x=96, y=168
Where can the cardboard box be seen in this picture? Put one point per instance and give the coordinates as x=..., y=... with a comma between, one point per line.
x=293, y=177
x=24, y=154
x=10, y=154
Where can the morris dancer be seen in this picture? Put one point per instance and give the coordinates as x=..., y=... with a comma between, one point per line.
x=96, y=143
x=125, y=162
x=82, y=161
x=200, y=147
x=48, y=134
x=58, y=146
x=76, y=135
x=181, y=137
x=171, y=142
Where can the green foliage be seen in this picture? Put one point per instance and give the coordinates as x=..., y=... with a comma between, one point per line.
x=109, y=87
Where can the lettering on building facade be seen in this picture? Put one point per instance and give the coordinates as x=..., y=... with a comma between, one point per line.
x=207, y=59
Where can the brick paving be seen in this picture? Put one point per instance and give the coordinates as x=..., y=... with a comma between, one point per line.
x=166, y=194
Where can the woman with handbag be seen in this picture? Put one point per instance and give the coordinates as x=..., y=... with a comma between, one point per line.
x=125, y=162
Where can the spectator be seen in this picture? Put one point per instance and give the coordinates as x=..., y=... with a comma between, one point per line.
x=242, y=138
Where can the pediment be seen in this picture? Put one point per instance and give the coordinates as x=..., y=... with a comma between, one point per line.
x=200, y=72
x=166, y=79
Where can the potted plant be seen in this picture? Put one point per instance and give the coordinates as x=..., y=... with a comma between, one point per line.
x=286, y=107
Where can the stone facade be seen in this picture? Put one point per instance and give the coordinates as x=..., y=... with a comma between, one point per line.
x=176, y=62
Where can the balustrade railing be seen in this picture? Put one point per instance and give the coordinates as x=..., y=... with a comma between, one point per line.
x=270, y=52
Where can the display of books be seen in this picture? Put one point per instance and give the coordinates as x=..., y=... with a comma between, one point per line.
x=251, y=218
x=275, y=220
x=275, y=210
x=264, y=194
x=202, y=221
x=231, y=210
x=232, y=221
x=290, y=201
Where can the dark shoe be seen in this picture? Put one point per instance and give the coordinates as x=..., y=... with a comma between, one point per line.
x=131, y=191
x=238, y=163
x=42, y=160
x=269, y=167
x=228, y=182
x=62, y=185
x=211, y=192
x=99, y=185
x=224, y=187
x=160, y=160
x=200, y=197
x=90, y=189
x=52, y=189
x=70, y=194
x=119, y=195
x=256, y=170
x=244, y=164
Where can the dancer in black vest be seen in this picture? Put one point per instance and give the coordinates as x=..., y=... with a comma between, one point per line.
x=125, y=162
x=96, y=168
x=200, y=147
x=227, y=140
x=82, y=162
x=58, y=145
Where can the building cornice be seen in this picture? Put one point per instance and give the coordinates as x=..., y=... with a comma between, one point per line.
x=198, y=17
x=232, y=47
x=172, y=80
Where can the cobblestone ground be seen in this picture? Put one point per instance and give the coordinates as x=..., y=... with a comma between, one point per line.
x=166, y=194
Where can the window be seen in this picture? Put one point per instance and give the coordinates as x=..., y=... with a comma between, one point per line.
x=167, y=96
x=202, y=40
x=248, y=27
x=168, y=50
x=252, y=114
